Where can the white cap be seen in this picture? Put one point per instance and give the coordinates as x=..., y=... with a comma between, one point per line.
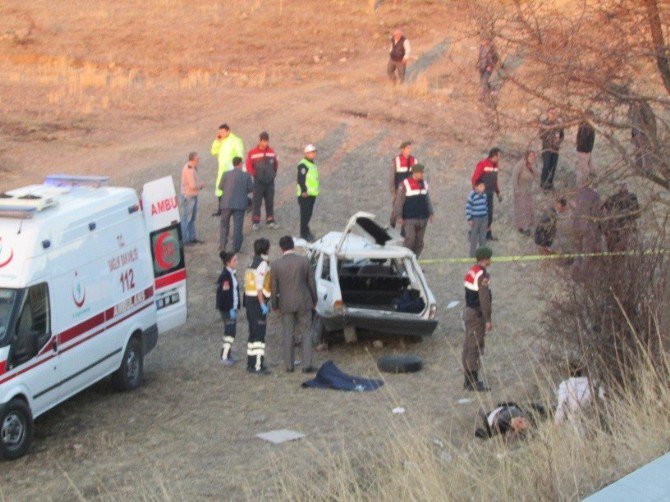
x=310, y=148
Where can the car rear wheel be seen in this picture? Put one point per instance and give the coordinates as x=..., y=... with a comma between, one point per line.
x=16, y=429
x=129, y=374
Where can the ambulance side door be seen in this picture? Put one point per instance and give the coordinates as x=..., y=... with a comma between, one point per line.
x=161, y=215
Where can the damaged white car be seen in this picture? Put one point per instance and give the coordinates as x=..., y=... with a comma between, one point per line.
x=366, y=279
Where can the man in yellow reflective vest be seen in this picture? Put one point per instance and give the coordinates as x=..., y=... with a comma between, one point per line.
x=307, y=190
x=226, y=147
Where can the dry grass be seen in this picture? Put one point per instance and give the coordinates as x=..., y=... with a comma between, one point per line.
x=567, y=462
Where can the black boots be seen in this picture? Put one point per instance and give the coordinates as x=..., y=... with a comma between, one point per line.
x=473, y=383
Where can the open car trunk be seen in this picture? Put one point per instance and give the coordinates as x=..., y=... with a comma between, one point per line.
x=381, y=284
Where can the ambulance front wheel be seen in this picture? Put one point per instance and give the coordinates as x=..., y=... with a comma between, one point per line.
x=129, y=374
x=16, y=429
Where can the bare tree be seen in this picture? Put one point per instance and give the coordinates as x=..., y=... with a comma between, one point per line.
x=603, y=61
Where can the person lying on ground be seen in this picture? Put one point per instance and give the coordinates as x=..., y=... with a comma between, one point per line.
x=576, y=394
x=510, y=421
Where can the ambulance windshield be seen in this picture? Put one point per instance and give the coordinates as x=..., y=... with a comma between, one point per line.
x=7, y=301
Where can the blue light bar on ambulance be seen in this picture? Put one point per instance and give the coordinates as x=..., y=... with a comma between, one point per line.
x=67, y=180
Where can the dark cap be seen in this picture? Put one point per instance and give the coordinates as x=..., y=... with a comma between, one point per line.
x=418, y=168
x=483, y=253
x=404, y=144
x=264, y=136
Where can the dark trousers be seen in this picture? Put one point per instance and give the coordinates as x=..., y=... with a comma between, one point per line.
x=306, y=209
x=238, y=224
x=229, y=330
x=549, y=163
x=257, y=326
x=473, y=344
x=415, y=229
x=489, y=202
x=263, y=191
x=396, y=70
x=296, y=329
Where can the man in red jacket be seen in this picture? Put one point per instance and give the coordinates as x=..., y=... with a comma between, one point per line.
x=487, y=171
x=262, y=165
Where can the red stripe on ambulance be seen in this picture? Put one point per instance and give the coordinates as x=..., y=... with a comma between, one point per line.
x=77, y=330
x=171, y=278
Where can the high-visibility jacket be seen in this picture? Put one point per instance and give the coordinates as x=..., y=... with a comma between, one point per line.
x=311, y=178
x=225, y=150
x=257, y=277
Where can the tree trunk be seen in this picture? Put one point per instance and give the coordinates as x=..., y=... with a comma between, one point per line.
x=661, y=51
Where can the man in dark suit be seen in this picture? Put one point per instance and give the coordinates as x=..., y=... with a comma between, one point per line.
x=294, y=295
x=237, y=187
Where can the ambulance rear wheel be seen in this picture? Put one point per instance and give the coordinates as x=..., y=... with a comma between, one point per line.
x=16, y=429
x=129, y=374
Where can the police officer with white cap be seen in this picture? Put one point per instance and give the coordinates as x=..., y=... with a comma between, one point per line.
x=307, y=190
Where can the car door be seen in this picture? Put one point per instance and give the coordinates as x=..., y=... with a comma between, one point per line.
x=326, y=288
x=33, y=358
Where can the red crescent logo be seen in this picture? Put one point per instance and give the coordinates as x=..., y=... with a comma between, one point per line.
x=79, y=304
x=163, y=261
x=77, y=287
x=11, y=255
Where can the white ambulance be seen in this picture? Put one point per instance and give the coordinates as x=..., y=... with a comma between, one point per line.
x=88, y=278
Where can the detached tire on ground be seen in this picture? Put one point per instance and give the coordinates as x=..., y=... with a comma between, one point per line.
x=400, y=363
x=129, y=374
x=16, y=429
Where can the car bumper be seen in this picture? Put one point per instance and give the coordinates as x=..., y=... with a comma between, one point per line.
x=388, y=324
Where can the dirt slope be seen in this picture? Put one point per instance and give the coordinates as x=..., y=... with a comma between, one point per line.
x=129, y=90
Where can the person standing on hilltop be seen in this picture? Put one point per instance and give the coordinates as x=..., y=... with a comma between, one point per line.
x=476, y=318
x=228, y=303
x=401, y=169
x=190, y=187
x=256, y=297
x=487, y=171
x=414, y=209
x=586, y=137
x=236, y=188
x=307, y=190
x=294, y=296
x=262, y=165
x=398, y=56
x=486, y=63
x=477, y=213
x=225, y=148
x=551, y=135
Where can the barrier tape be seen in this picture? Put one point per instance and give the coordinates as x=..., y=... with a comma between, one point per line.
x=539, y=257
